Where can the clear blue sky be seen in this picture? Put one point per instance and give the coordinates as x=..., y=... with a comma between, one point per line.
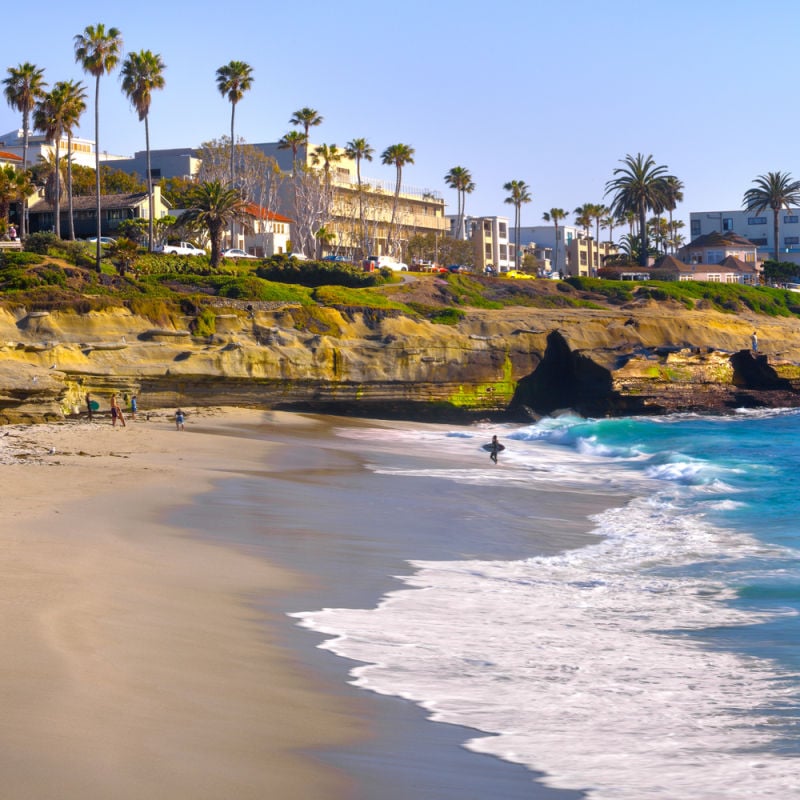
x=550, y=93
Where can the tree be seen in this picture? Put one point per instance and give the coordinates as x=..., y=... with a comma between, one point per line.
x=24, y=85
x=359, y=150
x=460, y=179
x=775, y=190
x=115, y=181
x=14, y=185
x=325, y=155
x=519, y=194
x=233, y=80
x=97, y=50
x=123, y=254
x=49, y=117
x=555, y=215
x=213, y=206
x=673, y=194
x=306, y=118
x=399, y=155
x=638, y=186
x=75, y=106
x=142, y=74
x=293, y=140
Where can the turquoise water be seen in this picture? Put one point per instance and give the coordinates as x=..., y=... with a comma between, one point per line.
x=661, y=660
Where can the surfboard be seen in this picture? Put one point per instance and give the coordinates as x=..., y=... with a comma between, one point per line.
x=94, y=405
x=489, y=447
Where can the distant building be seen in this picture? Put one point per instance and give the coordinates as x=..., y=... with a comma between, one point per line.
x=178, y=162
x=585, y=256
x=755, y=228
x=40, y=148
x=490, y=241
x=545, y=236
x=728, y=270
x=715, y=247
x=114, y=209
x=271, y=233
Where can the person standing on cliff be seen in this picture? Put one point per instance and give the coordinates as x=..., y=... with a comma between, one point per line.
x=754, y=342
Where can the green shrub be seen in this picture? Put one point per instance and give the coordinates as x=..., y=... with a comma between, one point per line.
x=19, y=258
x=160, y=311
x=205, y=324
x=41, y=242
x=345, y=296
x=315, y=273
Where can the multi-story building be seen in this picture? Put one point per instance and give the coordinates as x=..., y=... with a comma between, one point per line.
x=489, y=237
x=585, y=256
x=178, y=162
x=756, y=228
x=545, y=236
x=40, y=148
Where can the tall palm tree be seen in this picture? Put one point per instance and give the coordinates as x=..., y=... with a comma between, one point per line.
x=555, y=215
x=583, y=217
x=460, y=179
x=24, y=85
x=360, y=150
x=97, y=50
x=215, y=206
x=775, y=190
x=638, y=186
x=519, y=194
x=49, y=117
x=306, y=118
x=293, y=140
x=14, y=185
x=673, y=194
x=142, y=74
x=75, y=106
x=399, y=155
x=233, y=80
x=596, y=212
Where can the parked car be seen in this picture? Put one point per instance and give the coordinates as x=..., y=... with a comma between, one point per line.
x=379, y=262
x=515, y=273
x=103, y=240
x=457, y=268
x=181, y=249
x=298, y=256
x=235, y=252
x=337, y=259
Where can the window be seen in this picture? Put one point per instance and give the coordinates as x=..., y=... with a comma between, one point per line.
x=790, y=218
x=584, y=259
x=727, y=224
x=714, y=256
x=503, y=252
x=488, y=251
x=695, y=228
x=487, y=228
x=791, y=239
x=155, y=172
x=756, y=220
x=759, y=242
x=503, y=231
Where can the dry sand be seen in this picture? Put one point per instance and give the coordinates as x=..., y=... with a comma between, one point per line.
x=134, y=663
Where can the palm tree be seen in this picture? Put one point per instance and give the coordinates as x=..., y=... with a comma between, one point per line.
x=596, y=212
x=97, y=50
x=14, y=185
x=215, y=206
x=460, y=179
x=519, y=194
x=49, y=117
x=775, y=190
x=75, y=106
x=24, y=85
x=293, y=140
x=360, y=150
x=555, y=215
x=306, y=118
x=233, y=80
x=673, y=194
x=638, y=186
x=142, y=74
x=399, y=155
x=326, y=154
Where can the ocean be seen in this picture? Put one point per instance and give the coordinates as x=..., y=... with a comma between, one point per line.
x=653, y=651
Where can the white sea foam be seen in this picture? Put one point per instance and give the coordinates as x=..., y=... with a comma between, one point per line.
x=582, y=665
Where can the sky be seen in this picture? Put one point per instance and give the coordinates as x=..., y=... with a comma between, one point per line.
x=554, y=94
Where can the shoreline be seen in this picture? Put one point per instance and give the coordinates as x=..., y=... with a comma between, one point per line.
x=315, y=717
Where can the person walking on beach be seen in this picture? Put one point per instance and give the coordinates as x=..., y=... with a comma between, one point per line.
x=754, y=341
x=496, y=447
x=134, y=406
x=89, y=405
x=116, y=412
x=179, y=419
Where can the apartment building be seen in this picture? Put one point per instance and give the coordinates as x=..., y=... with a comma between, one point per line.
x=585, y=256
x=544, y=236
x=490, y=240
x=755, y=228
x=40, y=148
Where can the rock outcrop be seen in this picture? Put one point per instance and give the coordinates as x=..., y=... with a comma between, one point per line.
x=514, y=362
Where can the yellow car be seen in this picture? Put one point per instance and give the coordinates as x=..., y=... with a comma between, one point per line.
x=515, y=273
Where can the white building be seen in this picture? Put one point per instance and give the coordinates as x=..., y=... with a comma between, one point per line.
x=756, y=228
x=490, y=240
x=40, y=148
x=545, y=236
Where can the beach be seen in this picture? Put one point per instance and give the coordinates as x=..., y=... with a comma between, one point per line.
x=149, y=652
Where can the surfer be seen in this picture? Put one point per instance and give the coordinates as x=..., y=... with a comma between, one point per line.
x=495, y=448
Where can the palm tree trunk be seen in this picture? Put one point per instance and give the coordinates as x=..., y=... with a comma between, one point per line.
x=556, y=258
x=643, y=257
x=233, y=224
x=390, y=237
x=150, y=204
x=23, y=223
x=70, y=211
x=98, y=204
x=517, y=207
x=364, y=252
x=776, y=230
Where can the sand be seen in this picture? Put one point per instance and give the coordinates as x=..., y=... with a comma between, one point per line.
x=135, y=660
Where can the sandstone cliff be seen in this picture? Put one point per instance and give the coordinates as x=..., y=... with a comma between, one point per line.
x=518, y=362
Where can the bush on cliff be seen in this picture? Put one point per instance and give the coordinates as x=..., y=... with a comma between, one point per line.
x=315, y=273
x=362, y=298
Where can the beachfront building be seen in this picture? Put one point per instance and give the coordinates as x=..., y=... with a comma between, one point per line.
x=717, y=248
x=177, y=162
x=728, y=270
x=545, y=236
x=757, y=229
x=114, y=208
x=40, y=148
x=271, y=234
x=585, y=256
x=490, y=240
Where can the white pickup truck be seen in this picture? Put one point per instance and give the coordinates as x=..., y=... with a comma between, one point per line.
x=181, y=249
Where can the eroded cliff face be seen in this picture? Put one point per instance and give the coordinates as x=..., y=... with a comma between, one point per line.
x=515, y=362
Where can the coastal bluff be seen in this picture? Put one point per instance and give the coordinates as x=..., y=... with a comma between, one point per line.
x=514, y=363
